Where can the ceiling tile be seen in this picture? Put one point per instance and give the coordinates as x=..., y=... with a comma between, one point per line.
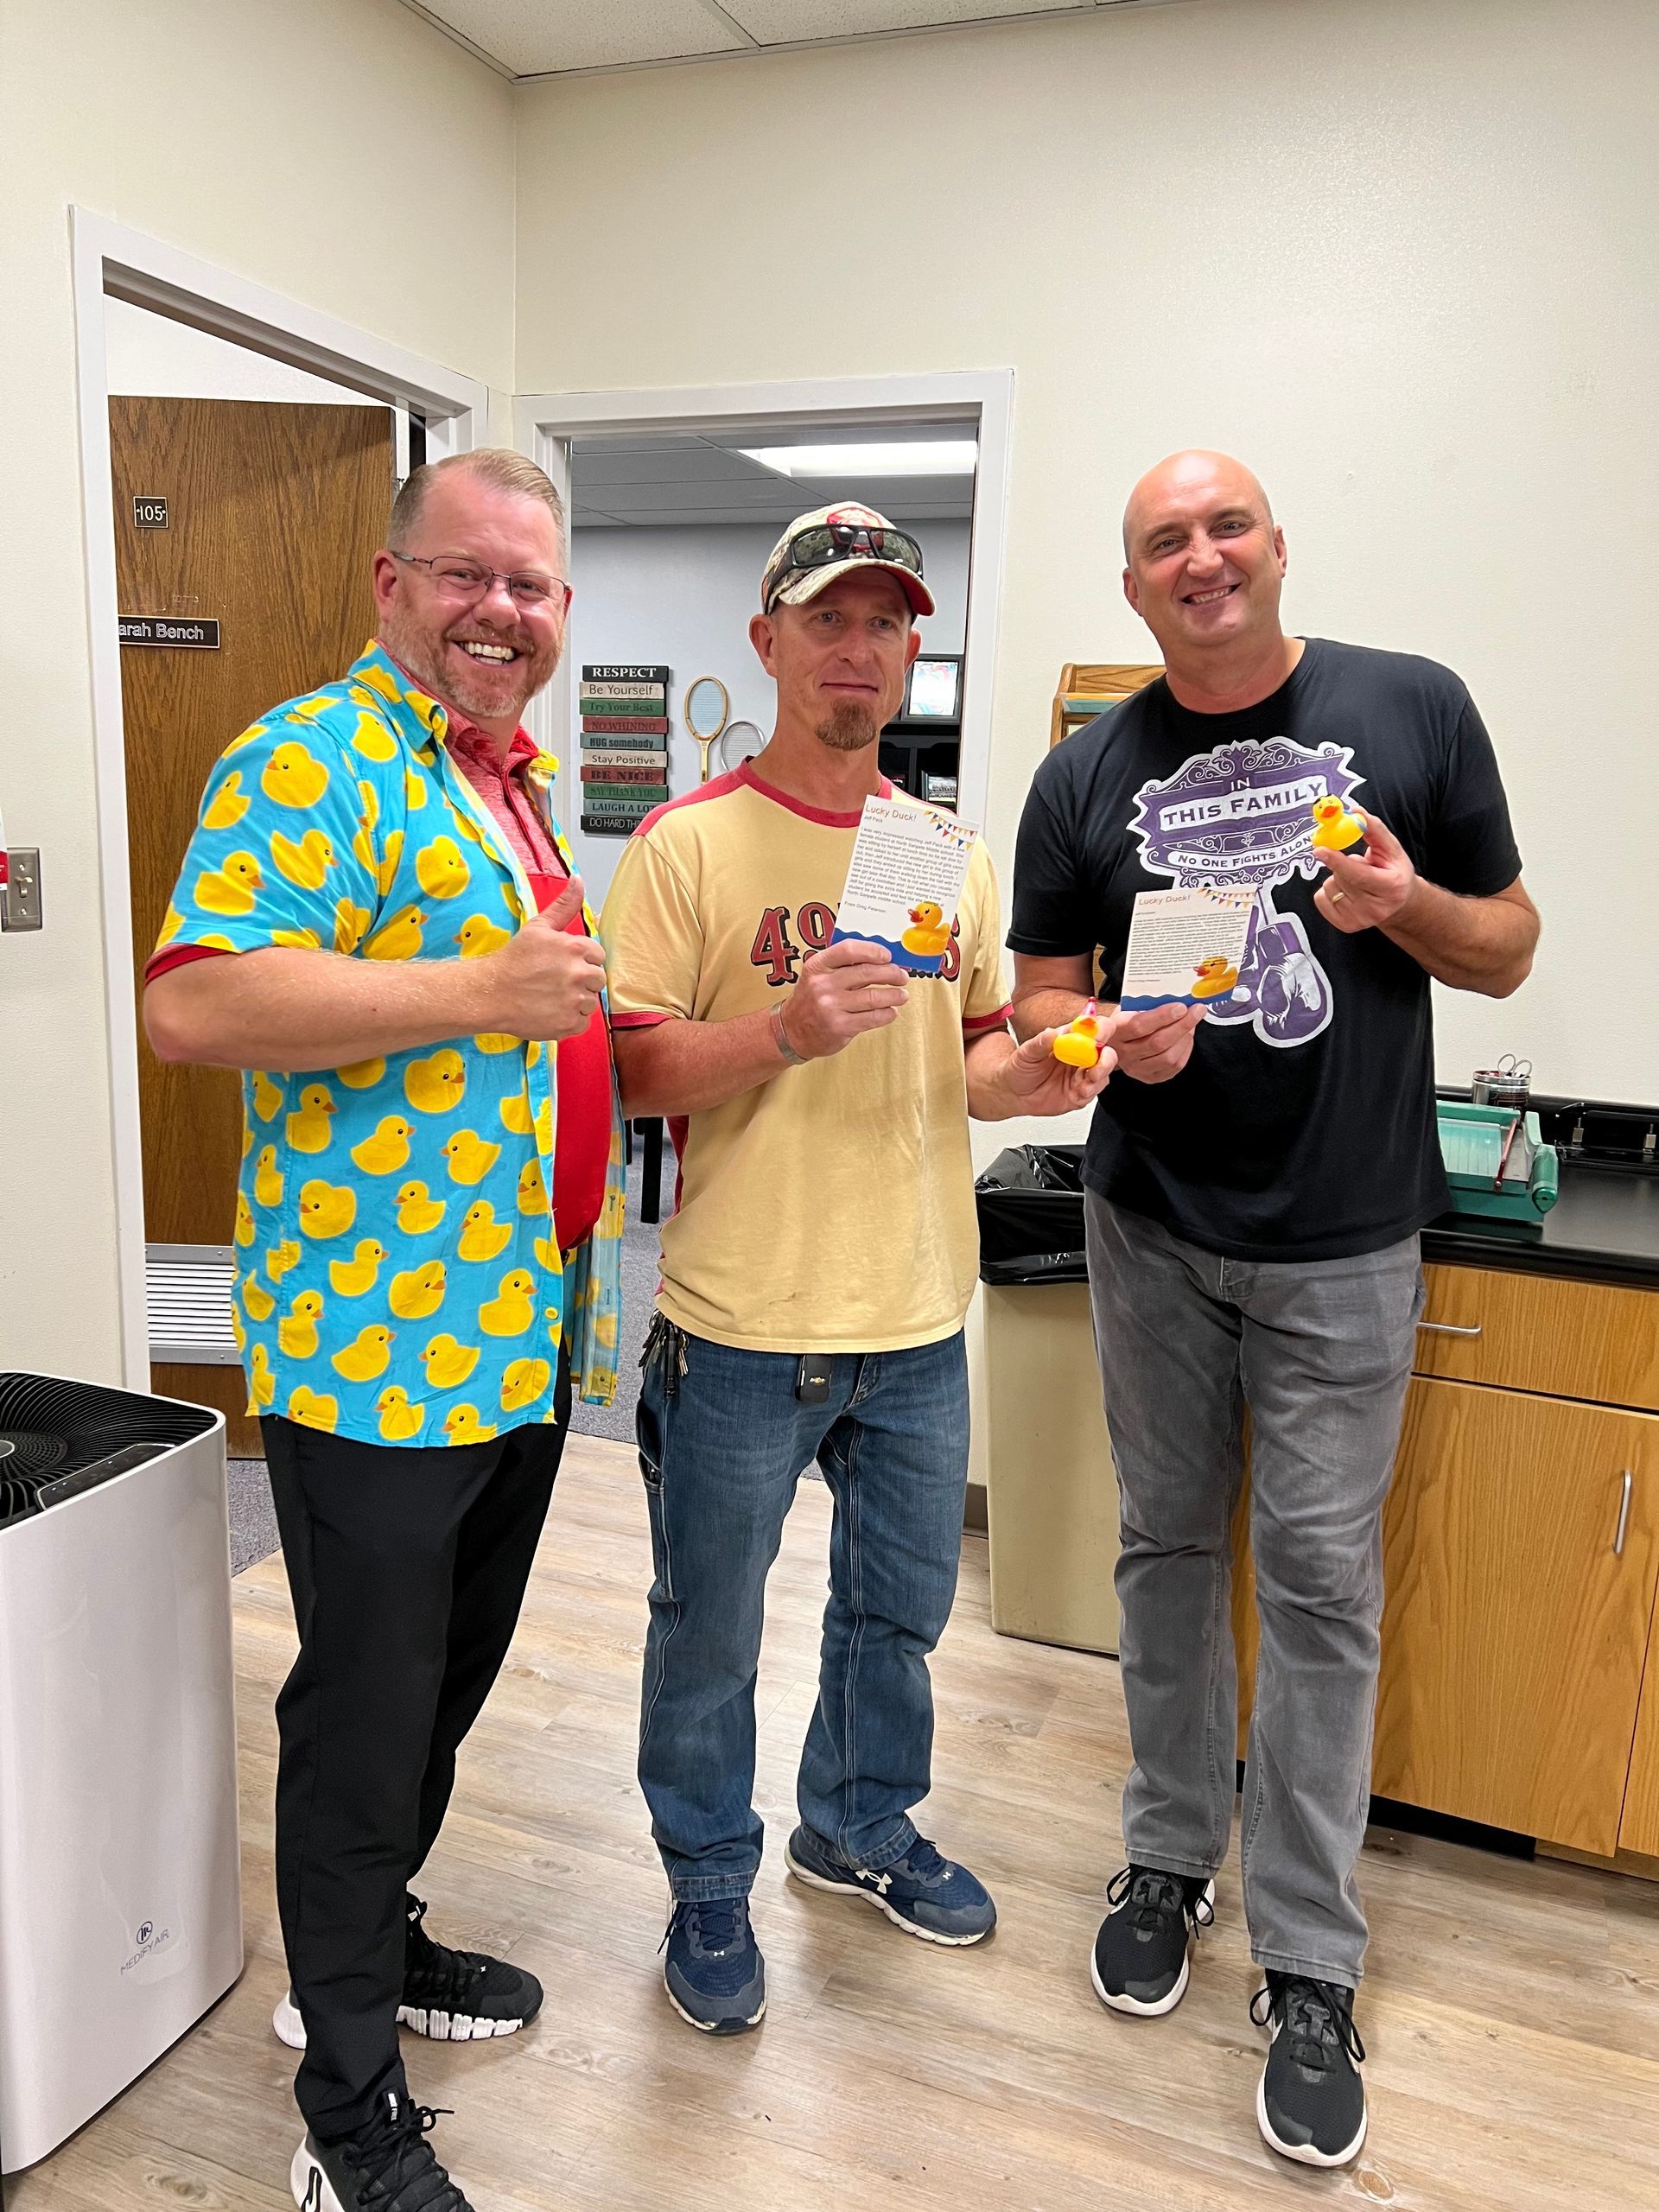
x=528, y=36
x=776, y=22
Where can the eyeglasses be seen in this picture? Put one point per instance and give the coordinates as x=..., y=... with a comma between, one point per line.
x=840, y=541
x=466, y=581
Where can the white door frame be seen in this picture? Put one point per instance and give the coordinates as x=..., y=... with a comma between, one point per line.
x=110, y=260
x=545, y=423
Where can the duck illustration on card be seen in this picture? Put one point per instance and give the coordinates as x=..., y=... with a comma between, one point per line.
x=904, y=883
x=1185, y=946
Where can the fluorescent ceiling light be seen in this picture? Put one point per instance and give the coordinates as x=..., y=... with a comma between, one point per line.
x=943, y=457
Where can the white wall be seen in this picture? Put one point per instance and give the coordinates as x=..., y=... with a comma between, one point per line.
x=1399, y=256
x=683, y=598
x=151, y=355
x=278, y=142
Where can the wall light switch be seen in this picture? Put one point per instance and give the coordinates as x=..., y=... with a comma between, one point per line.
x=20, y=895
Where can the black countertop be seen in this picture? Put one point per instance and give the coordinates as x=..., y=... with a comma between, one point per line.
x=1603, y=1228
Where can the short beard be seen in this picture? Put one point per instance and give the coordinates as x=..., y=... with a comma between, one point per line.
x=850, y=728
x=407, y=643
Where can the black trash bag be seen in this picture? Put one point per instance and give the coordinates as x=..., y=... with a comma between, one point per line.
x=1031, y=1216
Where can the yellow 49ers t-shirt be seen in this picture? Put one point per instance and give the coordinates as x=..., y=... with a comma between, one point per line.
x=830, y=1209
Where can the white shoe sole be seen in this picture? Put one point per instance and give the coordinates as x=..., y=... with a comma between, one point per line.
x=1303, y=2153
x=1133, y=2006
x=871, y=1897
x=714, y=2027
x=310, y=2185
x=437, y=2027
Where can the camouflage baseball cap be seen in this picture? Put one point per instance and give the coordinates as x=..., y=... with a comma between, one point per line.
x=833, y=542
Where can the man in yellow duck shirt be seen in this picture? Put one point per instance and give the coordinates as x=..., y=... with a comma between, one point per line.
x=378, y=921
x=815, y=1274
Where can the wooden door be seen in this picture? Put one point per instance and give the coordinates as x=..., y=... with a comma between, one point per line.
x=273, y=514
x=1513, y=1635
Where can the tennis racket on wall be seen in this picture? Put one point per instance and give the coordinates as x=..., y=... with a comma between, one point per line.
x=738, y=742
x=704, y=711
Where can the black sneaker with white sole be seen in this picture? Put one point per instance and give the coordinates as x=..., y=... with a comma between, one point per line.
x=1310, y=2104
x=449, y=1996
x=388, y=2166
x=1143, y=1946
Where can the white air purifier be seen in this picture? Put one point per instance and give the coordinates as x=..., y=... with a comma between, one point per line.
x=120, y=1893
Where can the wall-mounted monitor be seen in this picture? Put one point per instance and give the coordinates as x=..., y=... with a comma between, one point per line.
x=933, y=693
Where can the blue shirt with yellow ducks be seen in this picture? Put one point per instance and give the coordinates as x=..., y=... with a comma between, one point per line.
x=399, y=1281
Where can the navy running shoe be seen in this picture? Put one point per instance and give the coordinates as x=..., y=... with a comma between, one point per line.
x=713, y=1974
x=924, y=1893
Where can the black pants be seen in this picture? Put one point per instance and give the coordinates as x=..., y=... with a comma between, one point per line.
x=407, y=1567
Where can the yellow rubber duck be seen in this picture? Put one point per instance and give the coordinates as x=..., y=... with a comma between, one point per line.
x=327, y=1209
x=268, y=1097
x=239, y=1334
x=533, y=1192
x=292, y=777
x=1077, y=1045
x=351, y=1278
x=401, y=937
x=418, y=1296
x=378, y=679
x=308, y=1129
x=414, y=791
x=533, y=1054
x=306, y=863
x=368, y=1355
x=440, y=869
x=229, y=888
x=482, y=1237
x=928, y=934
x=399, y=1419
x=511, y=1312
x=267, y=1178
x=243, y=1230
x=523, y=1382
x=261, y=1384
x=374, y=740
x=1334, y=828
x=544, y=1128
x=387, y=1151
x=253, y=730
x=1214, y=976
x=350, y=923
x=247, y=1136
x=448, y=1363
x=385, y=869
x=417, y=1213
x=228, y=803
x=280, y=1259
x=459, y=821
x=548, y=1254
x=438, y=1085
x=172, y=923
x=516, y=1115
x=477, y=935
x=297, y=1333
x=461, y=1425
x=470, y=1156
x=494, y=1040
x=256, y=1300
x=312, y=1409
x=297, y=940
x=361, y=1074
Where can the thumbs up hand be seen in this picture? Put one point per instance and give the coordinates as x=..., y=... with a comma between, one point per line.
x=545, y=982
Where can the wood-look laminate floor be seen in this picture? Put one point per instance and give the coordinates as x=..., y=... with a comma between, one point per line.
x=1511, y=2010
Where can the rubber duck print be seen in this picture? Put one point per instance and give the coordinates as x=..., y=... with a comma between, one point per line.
x=438, y=1085
x=399, y=1419
x=267, y=1178
x=401, y=937
x=470, y=1156
x=441, y=871
x=418, y=1296
x=306, y=863
x=243, y=1230
x=327, y=1209
x=448, y=1363
x=292, y=777
x=229, y=888
x=258, y=1302
x=280, y=1259
x=297, y=1333
x=312, y=1409
x=511, y=1312
x=478, y=935
x=1214, y=976
x=483, y=1237
x=361, y=1074
x=1334, y=828
x=350, y=922
x=228, y=803
x=461, y=1425
x=523, y=1382
x=386, y=1152
x=1077, y=1045
x=352, y=1278
x=261, y=1384
x=929, y=934
x=533, y=1192
x=418, y=1212
x=308, y=1128
x=268, y=1097
x=516, y=1117
x=374, y=740
x=367, y=1355
x=494, y=1040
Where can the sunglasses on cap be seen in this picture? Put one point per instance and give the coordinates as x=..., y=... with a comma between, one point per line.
x=825, y=543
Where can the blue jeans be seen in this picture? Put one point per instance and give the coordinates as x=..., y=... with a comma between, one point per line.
x=722, y=1441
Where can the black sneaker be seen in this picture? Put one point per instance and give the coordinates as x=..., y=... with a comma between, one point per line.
x=450, y=1996
x=387, y=2167
x=1311, y=2103
x=1142, y=1947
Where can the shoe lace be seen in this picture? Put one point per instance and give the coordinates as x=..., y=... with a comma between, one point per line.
x=926, y=1861
x=397, y=2167
x=1155, y=1897
x=444, y=1975
x=720, y=1921
x=1317, y=2018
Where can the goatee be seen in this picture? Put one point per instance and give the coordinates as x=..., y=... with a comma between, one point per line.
x=850, y=728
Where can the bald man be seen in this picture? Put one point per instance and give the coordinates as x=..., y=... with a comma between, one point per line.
x=1256, y=1173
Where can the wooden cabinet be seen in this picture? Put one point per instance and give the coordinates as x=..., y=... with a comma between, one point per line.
x=1519, y=1683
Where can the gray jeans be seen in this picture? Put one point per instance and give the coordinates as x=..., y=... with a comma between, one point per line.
x=1319, y=1351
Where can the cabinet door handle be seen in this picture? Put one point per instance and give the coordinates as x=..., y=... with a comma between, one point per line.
x=1624, y=1513
x=1449, y=1329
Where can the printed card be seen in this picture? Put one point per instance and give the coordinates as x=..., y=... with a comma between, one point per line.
x=1185, y=946
x=904, y=883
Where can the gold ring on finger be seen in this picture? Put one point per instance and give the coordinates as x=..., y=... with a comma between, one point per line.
x=1337, y=892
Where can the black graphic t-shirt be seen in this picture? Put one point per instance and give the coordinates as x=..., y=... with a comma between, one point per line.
x=1303, y=1126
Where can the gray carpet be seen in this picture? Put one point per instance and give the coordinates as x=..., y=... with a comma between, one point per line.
x=253, y=1523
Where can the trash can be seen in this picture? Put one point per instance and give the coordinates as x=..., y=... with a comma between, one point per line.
x=1051, y=1490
